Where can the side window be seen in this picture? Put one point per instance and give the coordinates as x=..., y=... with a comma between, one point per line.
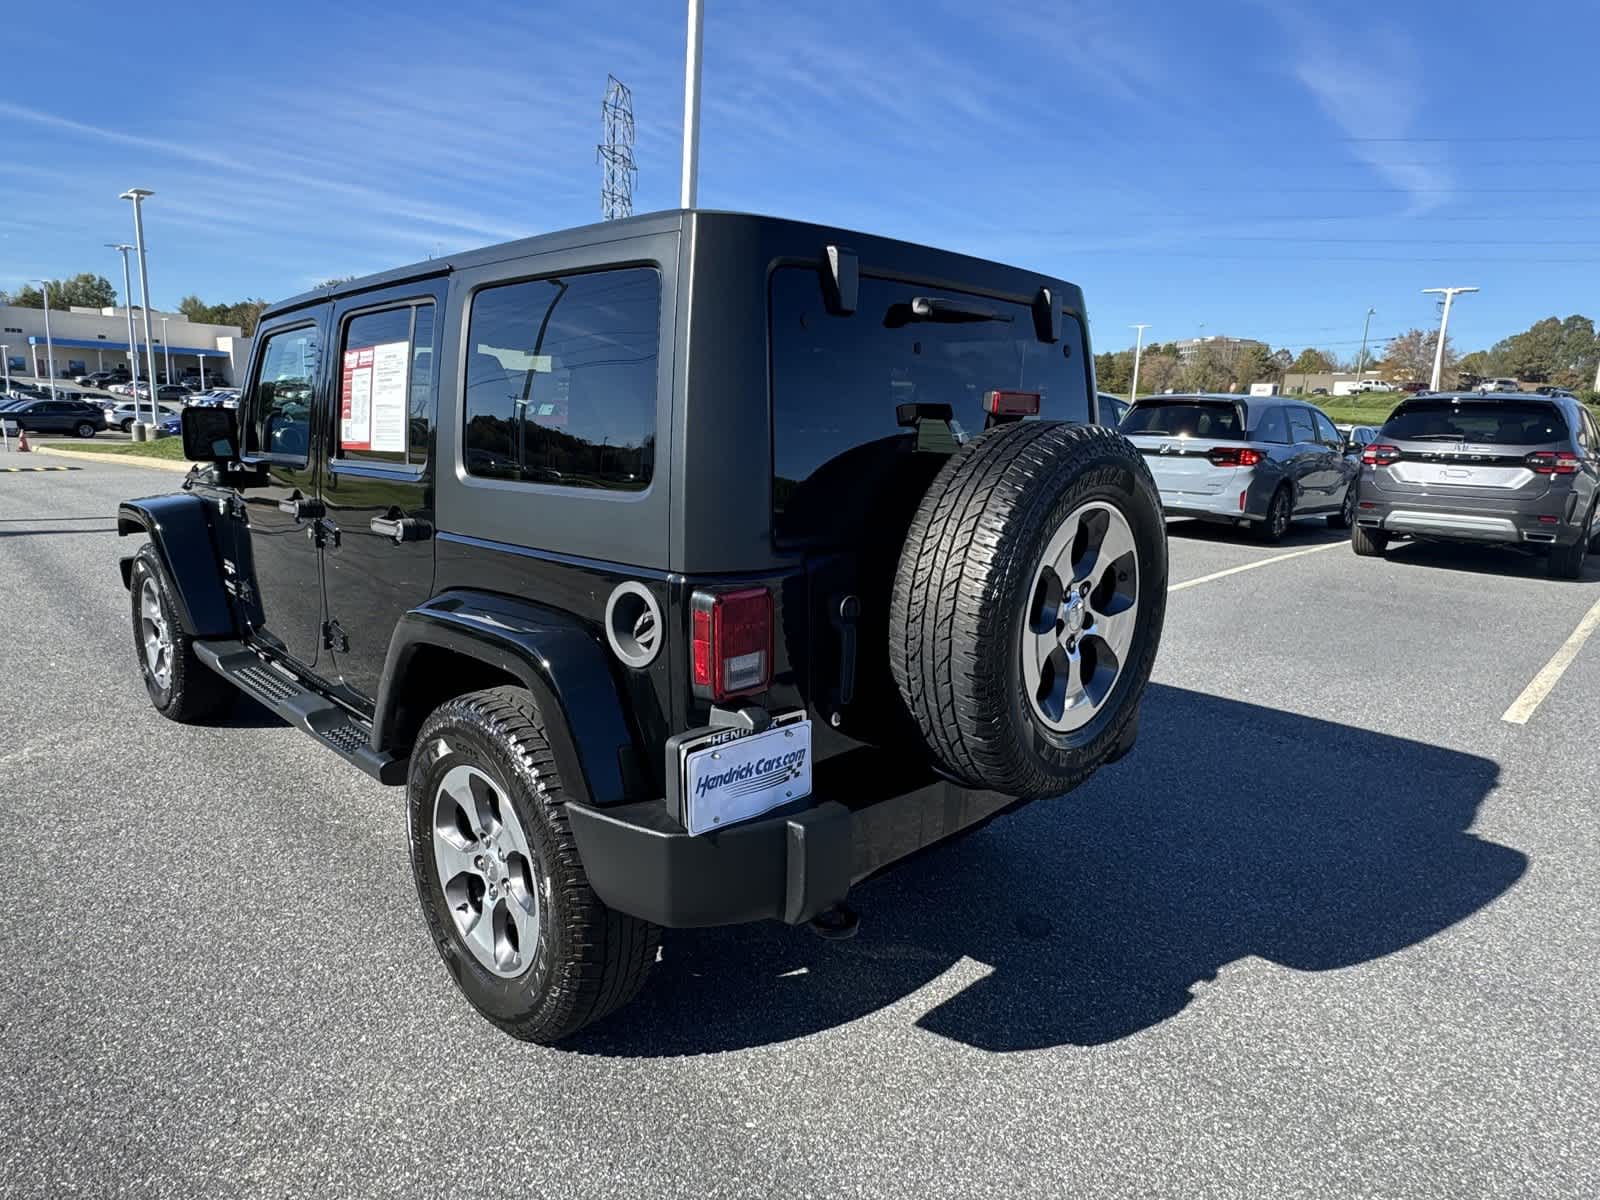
x=561, y=380
x=1326, y=433
x=1300, y=426
x=386, y=394
x=1586, y=430
x=1273, y=427
x=280, y=410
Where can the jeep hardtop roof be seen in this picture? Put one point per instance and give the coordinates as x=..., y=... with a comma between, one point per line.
x=643, y=225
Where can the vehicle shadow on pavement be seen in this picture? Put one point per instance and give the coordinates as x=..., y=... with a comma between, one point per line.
x=1233, y=830
x=1509, y=562
x=1307, y=531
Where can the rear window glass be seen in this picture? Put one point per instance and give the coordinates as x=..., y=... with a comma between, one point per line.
x=1183, y=418
x=1505, y=423
x=837, y=381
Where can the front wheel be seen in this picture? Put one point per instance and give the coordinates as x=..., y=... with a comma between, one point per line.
x=1346, y=516
x=498, y=876
x=181, y=686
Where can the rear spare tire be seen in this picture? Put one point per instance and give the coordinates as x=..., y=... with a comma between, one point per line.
x=1028, y=605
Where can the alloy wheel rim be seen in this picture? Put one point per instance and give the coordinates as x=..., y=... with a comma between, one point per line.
x=1280, y=514
x=486, y=871
x=1350, y=505
x=154, y=634
x=1082, y=611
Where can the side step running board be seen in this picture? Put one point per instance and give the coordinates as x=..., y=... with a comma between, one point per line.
x=324, y=720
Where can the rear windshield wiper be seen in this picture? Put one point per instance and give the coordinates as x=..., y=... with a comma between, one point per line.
x=937, y=308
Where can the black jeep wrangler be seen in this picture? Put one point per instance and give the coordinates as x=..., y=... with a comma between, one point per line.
x=685, y=569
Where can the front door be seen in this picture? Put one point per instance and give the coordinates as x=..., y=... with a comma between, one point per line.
x=278, y=543
x=378, y=486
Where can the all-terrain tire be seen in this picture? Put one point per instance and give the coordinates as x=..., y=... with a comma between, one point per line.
x=1368, y=543
x=962, y=591
x=192, y=692
x=590, y=960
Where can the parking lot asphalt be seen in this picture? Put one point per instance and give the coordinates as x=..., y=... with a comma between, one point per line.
x=1330, y=930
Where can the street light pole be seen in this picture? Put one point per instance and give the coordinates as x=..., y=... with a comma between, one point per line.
x=1449, y=294
x=1361, y=359
x=1138, y=347
x=137, y=195
x=49, y=347
x=127, y=307
x=5, y=364
x=166, y=354
x=691, y=105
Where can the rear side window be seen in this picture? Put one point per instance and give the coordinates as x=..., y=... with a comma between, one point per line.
x=280, y=412
x=1273, y=427
x=1495, y=423
x=1184, y=418
x=561, y=380
x=837, y=382
x=386, y=386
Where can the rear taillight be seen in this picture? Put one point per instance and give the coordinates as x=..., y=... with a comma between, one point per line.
x=731, y=642
x=1553, y=462
x=1234, y=456
x=1011, y=404
x=1379, y=455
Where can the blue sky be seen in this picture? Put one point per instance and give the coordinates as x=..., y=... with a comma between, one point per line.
x=1258, y=169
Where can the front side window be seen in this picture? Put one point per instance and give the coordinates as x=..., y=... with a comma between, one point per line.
x=386, y=392
x=1326, y=432
x=280, y=415
x=1300, y=429
x=561, y=380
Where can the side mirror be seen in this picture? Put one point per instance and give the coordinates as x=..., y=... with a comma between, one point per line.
x=210, y=434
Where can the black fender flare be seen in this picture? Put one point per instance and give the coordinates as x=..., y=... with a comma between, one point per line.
x=180, y=528
x=555, y=656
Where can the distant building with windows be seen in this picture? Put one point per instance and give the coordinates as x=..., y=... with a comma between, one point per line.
x=1188, y=347
x=96, y=339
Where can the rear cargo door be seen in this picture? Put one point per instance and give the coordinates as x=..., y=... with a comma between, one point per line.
x=1176, y=437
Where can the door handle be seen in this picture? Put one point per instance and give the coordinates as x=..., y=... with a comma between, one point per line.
x=300, y=508
x=401, y=529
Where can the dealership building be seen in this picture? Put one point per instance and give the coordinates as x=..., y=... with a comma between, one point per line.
x=82, y=340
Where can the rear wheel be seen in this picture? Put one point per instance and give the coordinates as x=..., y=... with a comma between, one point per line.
x=502, y=888
x=84, y=429
x=127, y=426
x=1368, y=543
x=1566, y=562
x=1279, y=513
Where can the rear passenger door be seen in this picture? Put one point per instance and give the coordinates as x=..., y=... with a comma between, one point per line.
x=378, y=483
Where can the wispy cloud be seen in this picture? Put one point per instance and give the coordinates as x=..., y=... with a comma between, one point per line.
x=1374, y=95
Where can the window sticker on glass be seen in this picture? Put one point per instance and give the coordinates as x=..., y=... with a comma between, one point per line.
x=372, y=403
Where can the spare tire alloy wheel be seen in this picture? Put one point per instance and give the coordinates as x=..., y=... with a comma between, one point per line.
x=486, y=870
x=1081, y=614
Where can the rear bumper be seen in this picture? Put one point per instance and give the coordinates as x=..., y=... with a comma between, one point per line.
x=1214, y=506
x=1471, y=519
x=788, y=867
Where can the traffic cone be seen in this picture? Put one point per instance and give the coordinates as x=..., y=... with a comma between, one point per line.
x=22, y=442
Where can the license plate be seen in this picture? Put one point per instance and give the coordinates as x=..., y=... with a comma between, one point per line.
x=733, y=780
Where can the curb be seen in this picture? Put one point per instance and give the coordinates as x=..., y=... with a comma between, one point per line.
x=130, y=460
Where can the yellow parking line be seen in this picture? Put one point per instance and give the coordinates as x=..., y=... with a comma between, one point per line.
x=1550, y=674
x=1251, y=566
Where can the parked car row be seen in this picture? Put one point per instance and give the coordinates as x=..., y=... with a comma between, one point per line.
x=1508, y=468
x=80, y=418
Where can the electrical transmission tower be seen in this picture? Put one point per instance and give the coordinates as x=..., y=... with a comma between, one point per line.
x=615, y=154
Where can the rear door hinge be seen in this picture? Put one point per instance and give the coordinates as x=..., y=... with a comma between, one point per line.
x=334, y=638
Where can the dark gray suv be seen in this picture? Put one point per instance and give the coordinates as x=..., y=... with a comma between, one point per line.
x=1463, y=466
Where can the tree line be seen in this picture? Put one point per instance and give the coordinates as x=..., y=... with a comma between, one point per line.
x=1564, y=353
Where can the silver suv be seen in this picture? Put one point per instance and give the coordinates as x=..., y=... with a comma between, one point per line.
x=1257, y=461
x=1463, y=466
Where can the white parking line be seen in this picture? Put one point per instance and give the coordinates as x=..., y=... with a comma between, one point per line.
x=1251, y=566
x=1550, y=674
